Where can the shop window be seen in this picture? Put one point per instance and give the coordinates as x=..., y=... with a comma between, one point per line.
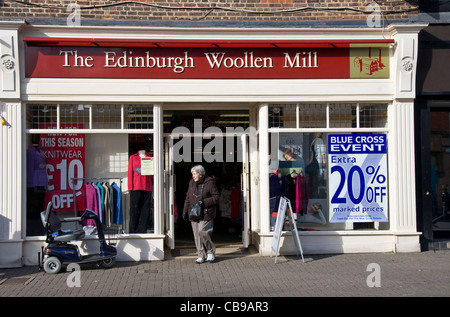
x=140, y=181
x=63, y=168
x=292, y=175
x=299, y=164
x=299, y=171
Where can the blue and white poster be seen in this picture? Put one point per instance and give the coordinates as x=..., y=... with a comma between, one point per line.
x=358, y=190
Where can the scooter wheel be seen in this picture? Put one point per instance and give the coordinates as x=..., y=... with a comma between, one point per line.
x=52, y=265
x=108, y=263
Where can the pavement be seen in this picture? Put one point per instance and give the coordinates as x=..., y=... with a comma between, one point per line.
x=239, y=273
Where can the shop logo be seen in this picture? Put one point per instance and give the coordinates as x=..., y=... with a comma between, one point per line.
x=369, y=62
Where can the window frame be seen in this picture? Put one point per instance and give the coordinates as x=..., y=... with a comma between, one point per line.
x=90, y=128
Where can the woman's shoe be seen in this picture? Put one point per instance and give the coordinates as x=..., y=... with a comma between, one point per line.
x=211, y=257
x=200, y=260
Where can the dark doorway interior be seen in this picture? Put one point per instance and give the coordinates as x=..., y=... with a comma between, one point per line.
x=440, y=171
x=226, y=168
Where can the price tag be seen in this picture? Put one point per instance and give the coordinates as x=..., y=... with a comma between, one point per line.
x=357, y=178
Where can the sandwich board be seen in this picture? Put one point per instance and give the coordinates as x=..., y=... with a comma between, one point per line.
x=285, y=211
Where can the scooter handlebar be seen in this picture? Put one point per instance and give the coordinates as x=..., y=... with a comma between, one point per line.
x=88, y=214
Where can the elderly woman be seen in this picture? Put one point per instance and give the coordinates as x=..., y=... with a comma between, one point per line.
x=203, y=228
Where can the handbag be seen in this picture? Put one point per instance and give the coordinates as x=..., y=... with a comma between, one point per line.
x=196, y=210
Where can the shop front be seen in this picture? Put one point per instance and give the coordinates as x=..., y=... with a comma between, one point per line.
x=112, y=119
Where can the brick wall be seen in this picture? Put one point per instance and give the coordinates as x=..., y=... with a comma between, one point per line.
x=209, y=10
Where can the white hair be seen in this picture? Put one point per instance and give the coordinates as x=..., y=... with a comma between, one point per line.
x=199, y=169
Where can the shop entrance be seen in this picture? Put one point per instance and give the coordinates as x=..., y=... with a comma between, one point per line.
x=433, y=118
x=440, y=169
x=203, y=138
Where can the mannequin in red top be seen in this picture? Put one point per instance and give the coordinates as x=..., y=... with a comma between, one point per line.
x=141, y=193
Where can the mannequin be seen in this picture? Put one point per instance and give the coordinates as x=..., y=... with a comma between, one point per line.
x=141, y=193
x=37, y=182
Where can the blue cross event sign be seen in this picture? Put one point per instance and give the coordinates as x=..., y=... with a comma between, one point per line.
x=358, y=190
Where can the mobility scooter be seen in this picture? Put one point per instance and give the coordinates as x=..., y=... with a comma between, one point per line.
x=59, y=251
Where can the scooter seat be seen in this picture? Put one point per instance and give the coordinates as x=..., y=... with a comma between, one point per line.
x=54, y=232
x=67, y=235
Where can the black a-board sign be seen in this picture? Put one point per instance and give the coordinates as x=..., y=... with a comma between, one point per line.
x=285, y=211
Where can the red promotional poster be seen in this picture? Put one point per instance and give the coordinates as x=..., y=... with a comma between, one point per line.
x=65, y=159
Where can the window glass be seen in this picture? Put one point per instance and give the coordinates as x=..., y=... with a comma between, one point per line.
x=74, y=115
x=109, y=173
x=106, y=116
x=299, y=164
x=312, y=115
x=342, y=115
x=300, y=171
x=139, y=117
x=373, y=115
x=39, y=116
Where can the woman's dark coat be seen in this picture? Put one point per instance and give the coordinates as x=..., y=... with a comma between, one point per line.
x=210, y=196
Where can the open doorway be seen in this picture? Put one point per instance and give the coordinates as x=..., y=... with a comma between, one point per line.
x=224, y=157
x=440, y=171
x=228, y=222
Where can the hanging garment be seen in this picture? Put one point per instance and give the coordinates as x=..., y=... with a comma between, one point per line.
x=101, y=198
x=175, y=211
x=291, y=191
x=117, y=204
x=302, y=194
x=235, y=202
x=225, y=202
x=277, y=185
x=110, y=202
x=297, y=192
x=107, y=213
x=91, y=204
x=98, y=201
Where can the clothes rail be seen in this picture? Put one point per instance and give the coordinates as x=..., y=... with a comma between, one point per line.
x=99, y=179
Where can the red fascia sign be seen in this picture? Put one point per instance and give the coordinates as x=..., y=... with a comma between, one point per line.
x=307, y=61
